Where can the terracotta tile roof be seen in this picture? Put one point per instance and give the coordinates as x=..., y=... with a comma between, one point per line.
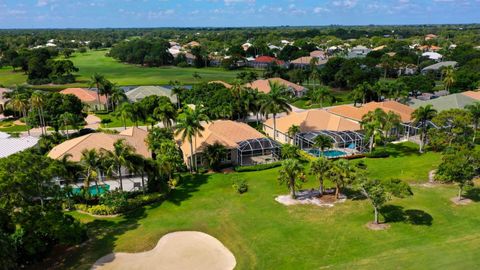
x=472, y=94
x=133, y=136
x=227, y=85
x=356, y=113
x=268, y=60
x=305, y=60
x=85, y=95
x=226, y=132
x=264, y=86
x=314, y=120
x=318, y=54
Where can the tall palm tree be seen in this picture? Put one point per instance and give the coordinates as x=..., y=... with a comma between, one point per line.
x=91, y=163
x=68, y=119
x=106, y=89
x=178, y=89
x=320, y=95
x=189, y=126
x=214, y=154
x=448, y=77
x=97, y=80
x=361, y=92
x=37, y=102
x=315, y=74
x=474, y=110
x=390, y=121
x=372, y=125
x=322, y=142
x=320, y=168
x=342, y=173
x=124, y=112
x=19, y=103
x=165, y=112
x=117, y=96
x=119, y=157
x=275, y=102
x=292, y=132
x=421, y=116
x=291, y=175
x=138, y=164
x=70, y=171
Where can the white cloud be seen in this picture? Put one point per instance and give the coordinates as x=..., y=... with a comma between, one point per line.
x=317, y=10
x=345, y=3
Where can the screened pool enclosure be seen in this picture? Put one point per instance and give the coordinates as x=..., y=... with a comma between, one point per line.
x=343, y=143
x=257, y=151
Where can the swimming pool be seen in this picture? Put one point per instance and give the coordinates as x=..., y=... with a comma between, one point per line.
x=328, y=153
x=93, y=190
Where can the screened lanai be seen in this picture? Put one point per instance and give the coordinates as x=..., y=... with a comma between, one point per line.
x=344, y=142
x=257, y=151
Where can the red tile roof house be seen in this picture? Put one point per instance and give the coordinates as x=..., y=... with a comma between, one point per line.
x=265, y=61
x=88, y=97
x=264, y=86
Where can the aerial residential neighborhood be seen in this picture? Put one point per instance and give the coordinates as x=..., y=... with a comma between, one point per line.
x=219, y=135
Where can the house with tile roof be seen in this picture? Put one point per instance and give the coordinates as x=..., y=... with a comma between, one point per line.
x=244, y=143
x=88, y=97
x=142, y=92
x=356, y=113
x=472, y=94
x=10, y=146
x=134, y=136
x=453, y=101
x=264, y=86
x=265, y=61
x=305, y=61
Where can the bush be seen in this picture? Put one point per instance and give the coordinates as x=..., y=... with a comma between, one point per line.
x=259, y=167
x=115, y=199
x=378, y=154
x=240, y=186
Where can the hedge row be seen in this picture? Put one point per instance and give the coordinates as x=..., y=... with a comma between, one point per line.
x=104, y=210
x=259, y=167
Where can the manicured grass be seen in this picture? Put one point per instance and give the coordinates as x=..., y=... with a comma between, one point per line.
x=342, y=97
x=9, y=126
x=427, y=230
x=124, y=74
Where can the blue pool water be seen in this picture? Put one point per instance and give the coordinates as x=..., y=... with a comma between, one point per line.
x=93, y=190
x=328, y=153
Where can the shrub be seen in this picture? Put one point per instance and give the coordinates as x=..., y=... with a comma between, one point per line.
x=115, y=199
x=103, y=210
x=240, y=186
x=378, y=154
x=259, y=167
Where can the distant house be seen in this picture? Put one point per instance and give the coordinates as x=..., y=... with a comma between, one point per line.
x=191, y=44
x=246, y=146
x=472, y=94
x=265, y=61
x=3, y=99
x=356, y=113
x=319, y=54
x=10, y=146
x=433, y=56
x=134, y=137
x=358, y=51
x=379, y=48
x=306, y=60
x=142, y=92
x=430, y=36
x=264, y=86
x=427, y=48
x=246, y=45
x=453, y=101
x=89, y=97
x=190, y=58
x=437, y=67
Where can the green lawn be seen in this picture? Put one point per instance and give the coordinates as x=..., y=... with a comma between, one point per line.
x=124, y=74
x=341, y=97
x=427, y=230
x=9, y=127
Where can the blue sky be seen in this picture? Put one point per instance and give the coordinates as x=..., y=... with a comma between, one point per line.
x=182, y=13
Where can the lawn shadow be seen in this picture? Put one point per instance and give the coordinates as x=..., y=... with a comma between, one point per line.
x=473, y=194
x=395, y=213
x=401, y=150
x=189, y=185
x=102, y=236
x=353, y=194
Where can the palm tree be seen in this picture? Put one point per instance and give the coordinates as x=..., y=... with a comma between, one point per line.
x=320, y=168
x=97, y=80
x=315, y=74
x=19, y=103
x=106, y=89
x=292, y=132
x=189, y=126
x=67, y=119
x=322, y=142
x=421, y=116
x=342, y=173
x=372, y=124
x=320, y=95
x=474, y=110
x=166, y=113
x=125, y=111
x=117, y=96
x=291, y=175
x=448, y=77
x=37, y=102
x=361, y=92
x=275, y=102
x=117, y=158
x=390, y=120
x=91, y=163
x=177, y=90
x=70, y=170
x=386, y=62
x=138, y=164
x=214, y=154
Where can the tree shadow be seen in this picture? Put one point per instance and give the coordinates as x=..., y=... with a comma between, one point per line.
x=102, y=236
x=189, y=185
x=400, y=150
x=473, y=194
x=395, y=213
x=353, y=194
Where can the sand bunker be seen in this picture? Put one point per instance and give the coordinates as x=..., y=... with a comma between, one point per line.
x=178, y=250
